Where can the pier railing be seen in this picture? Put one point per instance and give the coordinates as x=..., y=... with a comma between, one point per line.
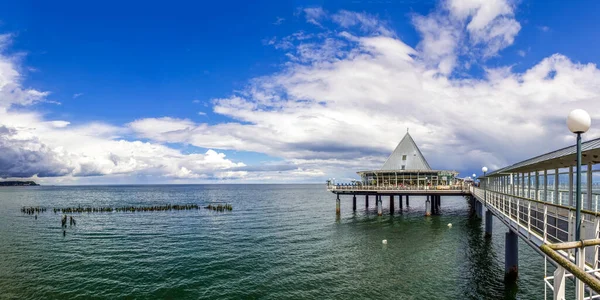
x=541, y=223
x=375, y=188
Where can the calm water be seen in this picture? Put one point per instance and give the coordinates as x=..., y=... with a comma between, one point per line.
x=280, y=241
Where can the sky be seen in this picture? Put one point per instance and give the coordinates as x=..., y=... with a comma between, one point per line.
x=143, y=92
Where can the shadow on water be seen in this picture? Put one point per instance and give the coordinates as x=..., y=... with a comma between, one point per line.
x=484, y=270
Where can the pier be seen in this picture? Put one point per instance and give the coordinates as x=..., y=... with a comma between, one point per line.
x=405, y=173
x=536, y=200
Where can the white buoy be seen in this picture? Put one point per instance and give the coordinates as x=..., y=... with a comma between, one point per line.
x=449, y=225
x=384, y=242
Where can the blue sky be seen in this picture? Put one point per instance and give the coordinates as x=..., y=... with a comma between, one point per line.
x=255, y=91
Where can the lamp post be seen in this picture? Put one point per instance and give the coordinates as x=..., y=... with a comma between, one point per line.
x=579, y=122
x=484, y=170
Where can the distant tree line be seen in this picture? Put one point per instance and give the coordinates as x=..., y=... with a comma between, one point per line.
x=17, y=183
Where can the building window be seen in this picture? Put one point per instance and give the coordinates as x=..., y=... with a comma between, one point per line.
x=403, y=167
x=403, y=157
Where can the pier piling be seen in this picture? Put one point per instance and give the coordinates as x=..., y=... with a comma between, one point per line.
x=407, y=201
x=400, y=202
x=366, y=201
x=379, y=208
x=488, y=223
x=353, y=202
x=511, y=256
x=392, y=204
x=337, y=204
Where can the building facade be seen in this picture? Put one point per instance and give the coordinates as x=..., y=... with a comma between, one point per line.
x=407, y=168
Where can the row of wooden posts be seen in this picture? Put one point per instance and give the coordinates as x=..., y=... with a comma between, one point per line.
x=79, y=209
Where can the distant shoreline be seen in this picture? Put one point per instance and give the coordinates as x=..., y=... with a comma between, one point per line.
x=18, y=183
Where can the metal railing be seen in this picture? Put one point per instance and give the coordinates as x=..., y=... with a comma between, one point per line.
x=585, y=277
x=541, y=223
x=368, y=188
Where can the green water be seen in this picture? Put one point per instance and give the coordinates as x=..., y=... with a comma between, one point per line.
x=279, y=242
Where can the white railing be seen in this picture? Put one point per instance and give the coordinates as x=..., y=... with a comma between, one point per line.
x=542, y=223
x=374, y=188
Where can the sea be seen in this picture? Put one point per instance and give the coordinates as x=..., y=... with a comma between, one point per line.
x=278, y=242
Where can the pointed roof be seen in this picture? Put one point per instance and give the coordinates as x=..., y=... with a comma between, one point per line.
x=406, y=154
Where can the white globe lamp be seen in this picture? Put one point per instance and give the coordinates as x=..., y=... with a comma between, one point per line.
x=579, y=121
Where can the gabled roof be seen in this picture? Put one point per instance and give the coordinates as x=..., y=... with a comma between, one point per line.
x=407, y=149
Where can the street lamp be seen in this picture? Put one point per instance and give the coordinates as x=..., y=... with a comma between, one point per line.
x=484, y=170
x=579, y=122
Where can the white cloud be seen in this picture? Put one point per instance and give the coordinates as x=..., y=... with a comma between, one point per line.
x=348, y=113
x=478, y=29
x=75, y=96
x=32, y=146
x=521, y=53
x=367, y=23
x=314, y=15
x=201, y=113
x=340, y=103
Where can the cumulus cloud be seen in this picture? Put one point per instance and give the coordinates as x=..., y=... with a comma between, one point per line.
x=347, y=112
x=32, y=146
x=478, y=29
x=340, y=103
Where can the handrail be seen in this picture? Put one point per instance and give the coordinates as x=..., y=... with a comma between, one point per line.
x=551, y=251
x=542, y=202
x=398, y=188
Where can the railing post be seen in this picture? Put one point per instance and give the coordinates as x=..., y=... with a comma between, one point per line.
x=518, y=212
x=579, y=292
x=529, y=218
x=559, y=283
x=596, y=248
x=545, y=223
x=509, y=213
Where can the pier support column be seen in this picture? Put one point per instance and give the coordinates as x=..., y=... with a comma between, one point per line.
x=353, y=202
x=379, y=208
x=392, y=204
x=337, y=204
x=366, y=201
x=400, y=202
x=428, y=205
x=407, y=201
x=511, y=256
x=488, y=223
